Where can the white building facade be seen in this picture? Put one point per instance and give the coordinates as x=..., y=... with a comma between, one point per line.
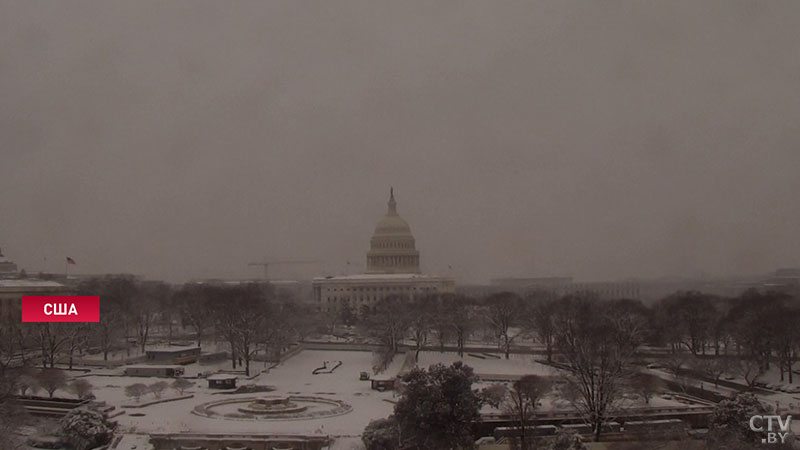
x=392, y=270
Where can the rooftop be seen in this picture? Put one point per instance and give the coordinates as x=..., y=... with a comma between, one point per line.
x=171, y=348
x=221, y=377
x=27, y=283
x=382, y=277
x=152, y=366
x=383, y=377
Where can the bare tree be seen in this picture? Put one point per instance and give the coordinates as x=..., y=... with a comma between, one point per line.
x=521, y=401
x=225, y=320
x=676, y=362
x=629, y=321
x=252, y=322
x=645, y=385
x=751, y=369
x=494, y=395
x=117, y=293
x=784, y=337
x=286, y=321
x=420, y=321
x=503, y=312
x=463, y=320
x=691, y=318
x=51, y=380
x=751, y=322
x=8, y=343
x=539, y=319
x=81, y=388
x=595, y=357
x=452, y=317
x=158, y=388
x=76, y=335
x=180, y=385
x=712, y=367
x=146, y=308
x=241, y=317
x=440, y=320
x=51, y=338
x=136, y=391
x=390, y=321
x=195, y=306
x=25, y=380
x=169, y=311
x=11, y=413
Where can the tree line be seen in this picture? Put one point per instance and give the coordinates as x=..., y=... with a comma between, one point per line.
x=250, y=318
x=761, y=327
x=439, y=409
x=597, y=345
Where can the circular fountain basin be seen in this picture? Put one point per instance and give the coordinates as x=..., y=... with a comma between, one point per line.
x=272, y=406
x=295, y=407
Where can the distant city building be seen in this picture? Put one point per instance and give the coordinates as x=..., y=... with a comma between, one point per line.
x=548, y=287
x=556, y=287
x=393, y=269
x=359, y=291
x=7, y=267
x=646, y=290
x=605, y=290
x=299, y=290
x=654, y=290
x=784, y=280
x=12, y=290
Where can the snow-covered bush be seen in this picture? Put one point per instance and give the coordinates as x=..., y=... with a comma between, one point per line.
x=84, y=429
x=381, y=434
x=180, y=385
x=81, y=388
x=158, y=388
x=567, y=440
x=136, y=390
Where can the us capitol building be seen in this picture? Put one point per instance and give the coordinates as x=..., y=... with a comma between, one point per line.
x=392, y=270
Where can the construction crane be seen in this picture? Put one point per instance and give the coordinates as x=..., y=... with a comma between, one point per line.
x=266, y=265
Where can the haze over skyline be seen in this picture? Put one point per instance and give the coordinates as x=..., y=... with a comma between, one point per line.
x=184, y=139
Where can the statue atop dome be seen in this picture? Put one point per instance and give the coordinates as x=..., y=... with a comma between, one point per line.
x=392, y=203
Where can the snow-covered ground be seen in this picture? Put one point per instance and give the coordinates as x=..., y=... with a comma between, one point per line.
x=292, y=377
x=782, y=402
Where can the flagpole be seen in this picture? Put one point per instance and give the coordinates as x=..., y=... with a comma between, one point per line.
x=66, y=269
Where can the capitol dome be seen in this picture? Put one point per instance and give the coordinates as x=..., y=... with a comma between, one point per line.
x=393, y=225
x=392, y=248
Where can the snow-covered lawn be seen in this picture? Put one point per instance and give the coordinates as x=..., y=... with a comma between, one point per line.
x=292, y=377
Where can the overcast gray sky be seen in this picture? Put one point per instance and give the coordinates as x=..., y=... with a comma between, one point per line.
x=602, y=140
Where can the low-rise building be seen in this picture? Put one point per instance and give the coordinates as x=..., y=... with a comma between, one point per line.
x=173, y=354
x=12, y=291
x=222, y=381
x=153, y=371
x=365, y=290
